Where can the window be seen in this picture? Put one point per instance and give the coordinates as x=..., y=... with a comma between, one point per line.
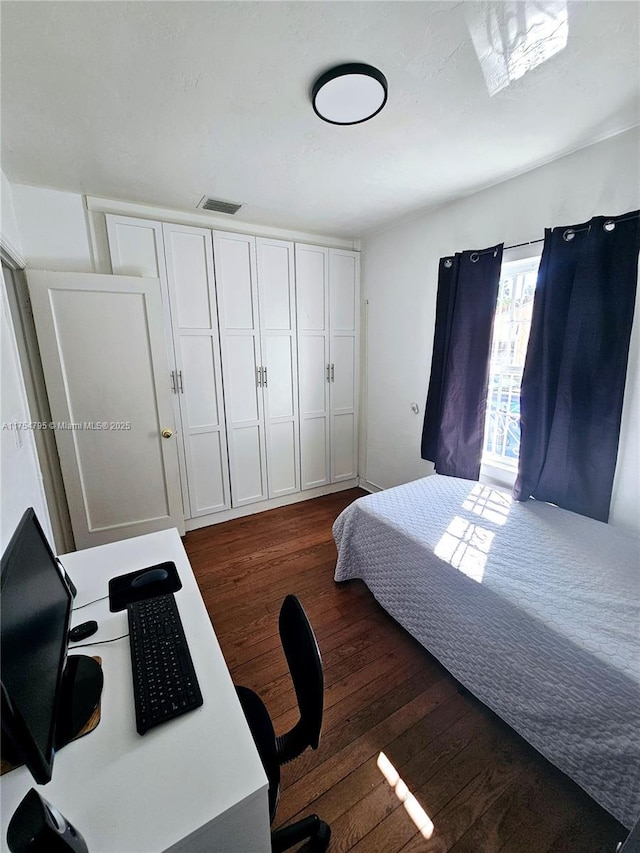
x=511, y=326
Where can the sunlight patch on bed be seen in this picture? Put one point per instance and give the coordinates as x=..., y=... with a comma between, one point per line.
x=465, y=546
x=488, y=503
x=413, y=808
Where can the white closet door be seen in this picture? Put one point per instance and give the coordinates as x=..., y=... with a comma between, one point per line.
x=105, y=366
x=312, y=290
x=198, y=378
x=136, y=247
x=279, y=359
x=344, y=278
x=235, y=265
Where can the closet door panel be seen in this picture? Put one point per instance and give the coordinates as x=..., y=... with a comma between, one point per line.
x=189, y=266
x=313, y=359
x=248, y=465
x=314, y=410
x=311, y=288
x=344, y=290
x=275, y=282
x=312, y=299
x=343, y=384
x=343, y=445
x=276, y=290
x=237, y=292
x=242, y=391
x=198, y=381
x=136, y=247
x=314, y=443
x=280, y=388
x=234, y=263
x=343, y=276
x=209, y=472
x=201, y=391
x=282, y=452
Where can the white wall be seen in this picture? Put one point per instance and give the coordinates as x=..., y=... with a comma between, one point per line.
x=20, y=475
x=8, y=222
x=400, y=268
x=67, y=232
x=53, y=229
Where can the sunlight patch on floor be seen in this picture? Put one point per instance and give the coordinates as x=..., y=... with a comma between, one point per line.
x=413, y=808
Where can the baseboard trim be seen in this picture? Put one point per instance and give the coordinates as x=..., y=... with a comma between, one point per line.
x=263, y=506
x=369, y=487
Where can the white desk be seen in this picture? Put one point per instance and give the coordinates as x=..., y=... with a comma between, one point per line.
x=193, y=784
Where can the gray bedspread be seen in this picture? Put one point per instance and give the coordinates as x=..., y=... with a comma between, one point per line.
x=534, y=609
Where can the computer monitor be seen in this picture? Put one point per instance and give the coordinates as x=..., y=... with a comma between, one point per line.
x=35, y=604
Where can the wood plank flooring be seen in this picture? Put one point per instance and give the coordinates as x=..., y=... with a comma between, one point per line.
x=457, y=778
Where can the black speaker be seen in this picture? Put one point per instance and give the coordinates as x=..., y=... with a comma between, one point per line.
x=38, y=827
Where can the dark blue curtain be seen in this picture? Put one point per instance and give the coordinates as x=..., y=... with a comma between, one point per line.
x=453, y=429
x=576, y=364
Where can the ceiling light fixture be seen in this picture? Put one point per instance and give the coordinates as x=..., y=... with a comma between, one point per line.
x=349, y=94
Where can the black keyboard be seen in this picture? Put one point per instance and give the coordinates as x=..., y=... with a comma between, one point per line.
x=164, y=680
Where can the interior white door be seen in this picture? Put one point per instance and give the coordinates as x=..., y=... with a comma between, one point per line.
x=105, y=365
x=312, y=290
x=276, y=291
x=235, y=267
x=344, y=300
x=198, y=376
x=136, y=247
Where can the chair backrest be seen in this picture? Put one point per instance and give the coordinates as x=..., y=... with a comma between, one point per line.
x=305, y=664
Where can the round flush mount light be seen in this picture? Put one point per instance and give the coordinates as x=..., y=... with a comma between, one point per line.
x=349, y=94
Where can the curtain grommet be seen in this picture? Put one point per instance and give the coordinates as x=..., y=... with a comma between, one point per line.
x=568, y=235
x=474, y=257
x=609, y=225
x=448, y=263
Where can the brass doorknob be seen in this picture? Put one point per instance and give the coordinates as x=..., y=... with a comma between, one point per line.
x=167, y=433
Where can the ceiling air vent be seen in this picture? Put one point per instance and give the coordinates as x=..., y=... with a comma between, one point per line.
x=218, y=206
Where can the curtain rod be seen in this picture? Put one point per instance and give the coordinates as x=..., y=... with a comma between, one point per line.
x=569, y=234
x=519, y=245
x=476, y=255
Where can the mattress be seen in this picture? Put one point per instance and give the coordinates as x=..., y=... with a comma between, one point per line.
x=536, y=610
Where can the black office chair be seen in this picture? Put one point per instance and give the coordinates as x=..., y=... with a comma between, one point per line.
x=305, y=665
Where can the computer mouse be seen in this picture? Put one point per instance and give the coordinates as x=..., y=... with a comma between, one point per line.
x=152, y=576
x=82, y=631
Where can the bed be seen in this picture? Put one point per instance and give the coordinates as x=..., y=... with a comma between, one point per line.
x=534, y=609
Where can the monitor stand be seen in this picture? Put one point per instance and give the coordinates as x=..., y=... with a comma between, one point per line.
x=79, y=697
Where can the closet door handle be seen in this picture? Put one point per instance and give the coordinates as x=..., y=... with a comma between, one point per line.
x=264, y=375
x=328, y=373
x=333, y=373
x=174, y=389
x=259, y=377
x=180, y=385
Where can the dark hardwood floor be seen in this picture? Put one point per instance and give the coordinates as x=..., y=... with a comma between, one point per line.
x=453, y=769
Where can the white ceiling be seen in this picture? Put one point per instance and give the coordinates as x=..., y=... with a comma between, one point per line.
x=162, y=102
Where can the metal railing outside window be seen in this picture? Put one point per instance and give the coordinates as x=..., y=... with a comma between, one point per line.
x=511, y=326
